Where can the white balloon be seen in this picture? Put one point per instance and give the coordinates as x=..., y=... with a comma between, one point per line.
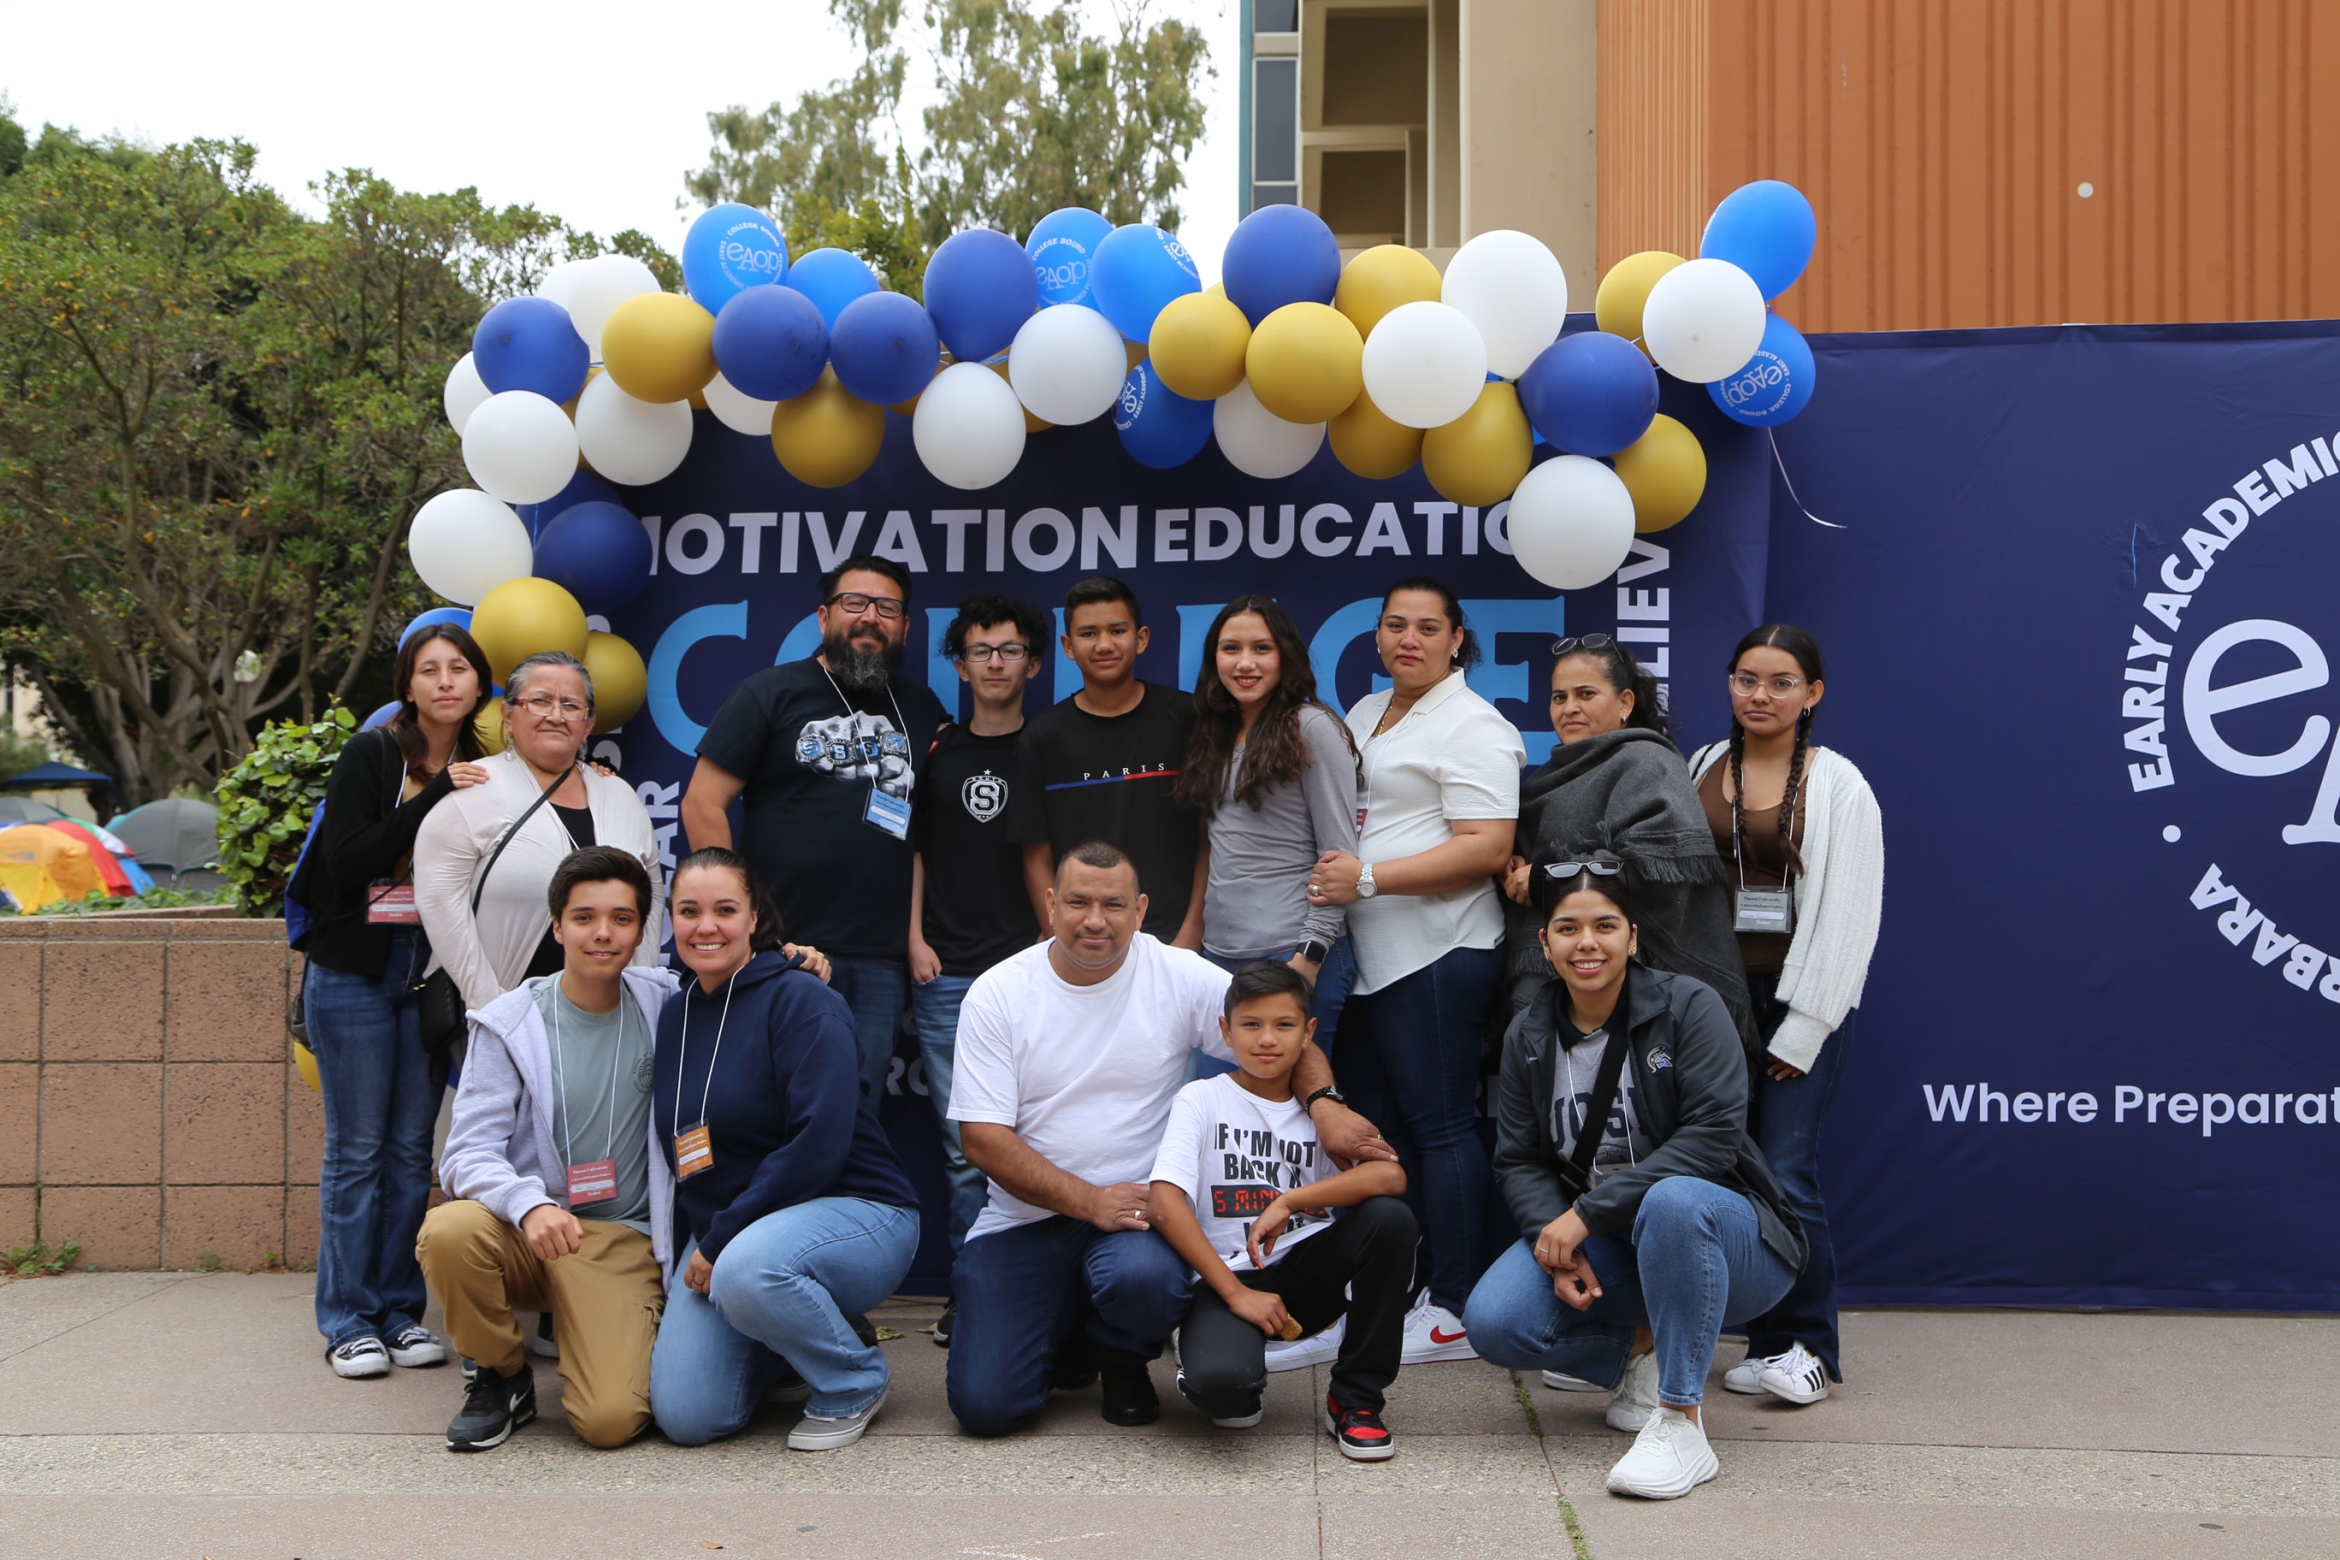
x=1703, y=321
x=969, y=427
x=465, y=391
x=520, y=447
x=1256, y=441
x=1425, y=364
x=628, y=441
x=737, y=410
x=1513, y=289
x=556, y=282
x=464, y=544
x=1067, y=364
x=596, y=287
x=1571, y=522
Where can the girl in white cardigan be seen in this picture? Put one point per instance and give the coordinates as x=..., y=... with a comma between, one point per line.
x=1799, y=834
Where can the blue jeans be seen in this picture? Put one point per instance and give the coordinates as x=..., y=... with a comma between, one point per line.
x=779, y=1297
x=1787, y=1118
x=877, y=990
x=380, y=1107
x=934, y=1012
x=1333, y=979
x=1410, y=1065
x=1696, y=1264
x=1025, y=1293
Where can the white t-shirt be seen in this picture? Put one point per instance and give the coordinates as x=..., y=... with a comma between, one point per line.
x=1231, y=1153
x=1084, y=1074
x=1451, y=756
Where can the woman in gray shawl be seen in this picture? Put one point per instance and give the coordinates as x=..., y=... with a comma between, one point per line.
x=1617, y=783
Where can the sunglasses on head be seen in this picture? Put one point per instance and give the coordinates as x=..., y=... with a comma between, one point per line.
x=1575, y=642
x=1560, y=870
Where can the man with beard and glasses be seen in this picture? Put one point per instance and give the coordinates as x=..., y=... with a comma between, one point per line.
x=827, y=752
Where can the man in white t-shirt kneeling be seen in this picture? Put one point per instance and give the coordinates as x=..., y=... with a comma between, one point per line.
x=1069, y=1055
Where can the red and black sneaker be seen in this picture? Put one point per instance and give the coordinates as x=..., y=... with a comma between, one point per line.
x=1363, y=1437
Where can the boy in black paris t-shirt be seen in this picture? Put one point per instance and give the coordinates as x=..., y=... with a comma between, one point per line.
x=1101, y=765
x=967, y=910
x=827, y=752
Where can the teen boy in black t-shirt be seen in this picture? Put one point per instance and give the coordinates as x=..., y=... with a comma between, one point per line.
x=1101, y=764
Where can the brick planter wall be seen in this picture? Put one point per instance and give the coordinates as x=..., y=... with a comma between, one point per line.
x=148, y=1097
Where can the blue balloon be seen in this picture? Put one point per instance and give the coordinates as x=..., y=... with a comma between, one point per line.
x=459, y=616
x=1775, y=385
x=597, y=552
x=1767, y=230
x=1590, y=394
x=1063, y=247
x=380, y=717
x=1159, y=427
x=980, y=290
x=884, y=348
x=831, y=278
x=529, y=344
x=1280, y=254
x=729, y=249
x=584, y=485
x=771, y=342
x=1137, y=270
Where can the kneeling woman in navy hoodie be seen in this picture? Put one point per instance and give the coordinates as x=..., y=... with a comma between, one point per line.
x=796, y=1211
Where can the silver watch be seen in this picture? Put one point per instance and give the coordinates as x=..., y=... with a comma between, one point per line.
x=1365, y=888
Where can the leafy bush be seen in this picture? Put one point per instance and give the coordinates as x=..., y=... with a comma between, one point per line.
x=97, y=901
x=266, y=801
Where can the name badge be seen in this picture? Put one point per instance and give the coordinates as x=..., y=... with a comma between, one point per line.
x=594, y=1181
x=888, y=812
x=393, y=906
x=1766, y=910
x=693, y=1152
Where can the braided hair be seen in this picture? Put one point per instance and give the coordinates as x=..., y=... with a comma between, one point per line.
x=1805, y=651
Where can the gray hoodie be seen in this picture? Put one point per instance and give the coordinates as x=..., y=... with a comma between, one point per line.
x=500, y=1149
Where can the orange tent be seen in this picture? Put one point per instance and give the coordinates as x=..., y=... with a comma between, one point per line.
x=109, y=871
x=43, y=866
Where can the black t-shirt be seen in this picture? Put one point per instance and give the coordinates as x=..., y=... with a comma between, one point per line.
x=1082, y=777
x=977, y=912
x=811, y=754
x=550, y=958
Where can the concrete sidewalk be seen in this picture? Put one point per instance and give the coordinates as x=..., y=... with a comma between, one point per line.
x=185, y=1415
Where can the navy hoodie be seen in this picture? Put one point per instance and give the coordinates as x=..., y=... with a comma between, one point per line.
x=786, y=1115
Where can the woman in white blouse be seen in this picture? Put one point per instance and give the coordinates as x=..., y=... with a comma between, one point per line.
x=1439, y=799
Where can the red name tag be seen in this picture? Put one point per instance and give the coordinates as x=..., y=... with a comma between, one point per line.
x=592, y=1182
x=393, y=906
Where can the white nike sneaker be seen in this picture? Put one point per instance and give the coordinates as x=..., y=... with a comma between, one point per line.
x=1561, y=1381
x=1797, y=1376
x=1636, y=1397
x=1320, y=1348
x=1670, y=1458
x=1434, y=1333
x=1746, y=1377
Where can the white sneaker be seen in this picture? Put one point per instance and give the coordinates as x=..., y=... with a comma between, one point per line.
x=1316, y=1349
x=1746, y=1377
x=1670, y=1458
x=1561, y=1381
x=816, y=1434
x=1636, y=1397
x=359, y=1358
x=1796, y=1375
x=1434, y=1333
x=415, y=1346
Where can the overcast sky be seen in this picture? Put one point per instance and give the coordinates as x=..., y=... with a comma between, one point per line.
x=591, y=112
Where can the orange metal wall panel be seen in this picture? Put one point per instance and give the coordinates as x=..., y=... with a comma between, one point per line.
x=1944, y=142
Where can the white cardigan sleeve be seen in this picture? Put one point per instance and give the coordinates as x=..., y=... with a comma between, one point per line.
x=1838, y=904
x=447, y=851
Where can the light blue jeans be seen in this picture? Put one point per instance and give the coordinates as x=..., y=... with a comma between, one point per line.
x=934, y=1013
x=1696, y=1263
x=779, y=1297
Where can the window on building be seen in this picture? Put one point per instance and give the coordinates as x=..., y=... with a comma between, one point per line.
x=1275, y=16
x=1275, y=131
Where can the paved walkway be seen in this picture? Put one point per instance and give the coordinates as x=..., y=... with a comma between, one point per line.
x=184, y=1415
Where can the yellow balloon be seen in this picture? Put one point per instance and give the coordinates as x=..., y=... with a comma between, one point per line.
x=489, y=724
x=1198, y=345
x=524, y=617
x=1032, y=424
x=827, y=436
x=1617, y=306
x=1479, y=457
x=1367, y=442
x=620, y=681
x=1306, y=363
x=659, y=347
x=1665, y=471
x=1380, y=279
x=305, y=1060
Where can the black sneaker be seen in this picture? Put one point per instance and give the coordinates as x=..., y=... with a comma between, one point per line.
x=1076, y=1367
x=864, y=1329
x=493, y=1407
x=1129, y=1396
x=1363, y=1437
x=942, y=1328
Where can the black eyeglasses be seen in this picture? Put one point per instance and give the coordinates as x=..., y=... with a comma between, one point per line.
x=1008, y=652
x=1567, y=869
x=1576, y=642
x=855, y=603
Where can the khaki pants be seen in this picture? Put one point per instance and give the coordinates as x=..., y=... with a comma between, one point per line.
x=605, y=1300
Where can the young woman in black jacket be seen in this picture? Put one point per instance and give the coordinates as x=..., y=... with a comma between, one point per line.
x=1663, y=1220
x=367, y=955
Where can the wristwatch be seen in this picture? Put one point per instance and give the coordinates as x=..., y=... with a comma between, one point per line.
x=1365, y=888
x=1314, y=950
x=1328, y=1092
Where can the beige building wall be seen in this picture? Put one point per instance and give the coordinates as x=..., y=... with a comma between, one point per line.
x=1528, y=91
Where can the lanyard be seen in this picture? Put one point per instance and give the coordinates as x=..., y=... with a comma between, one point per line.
x=682, y=1052
x=561, y=1081
x=1735, y=775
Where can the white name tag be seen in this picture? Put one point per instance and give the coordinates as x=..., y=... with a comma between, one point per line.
x=1766, y=910
x=888, y=812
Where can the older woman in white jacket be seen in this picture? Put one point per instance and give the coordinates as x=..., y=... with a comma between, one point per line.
x=548, y=714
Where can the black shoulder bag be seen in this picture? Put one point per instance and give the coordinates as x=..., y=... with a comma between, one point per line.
x=443, y=1008
x=1576, y=1170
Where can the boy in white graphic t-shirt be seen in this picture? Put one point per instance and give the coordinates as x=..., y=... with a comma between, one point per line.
x=1243, y=1191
